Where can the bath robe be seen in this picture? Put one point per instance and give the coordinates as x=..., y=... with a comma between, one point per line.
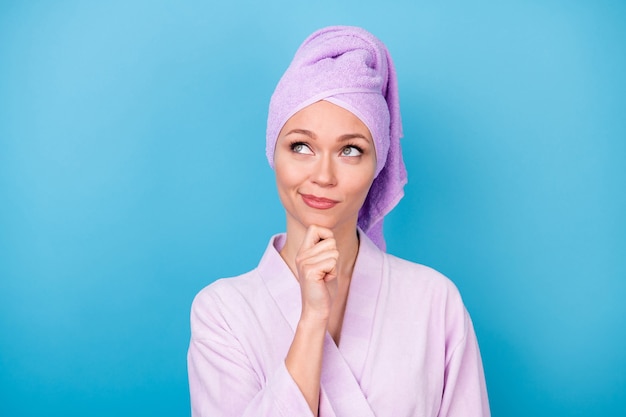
x=407, y=345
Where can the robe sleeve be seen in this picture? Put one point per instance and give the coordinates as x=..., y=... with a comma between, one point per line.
x=465, y=391
x=222, y=378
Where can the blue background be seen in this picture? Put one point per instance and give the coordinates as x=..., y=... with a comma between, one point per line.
x=132, y=174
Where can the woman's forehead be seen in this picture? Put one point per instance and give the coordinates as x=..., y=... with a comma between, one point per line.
x=323, y=117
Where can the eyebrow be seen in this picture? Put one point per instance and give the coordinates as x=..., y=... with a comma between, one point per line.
x=302, y=132
x=350, y=136
x=342, y=138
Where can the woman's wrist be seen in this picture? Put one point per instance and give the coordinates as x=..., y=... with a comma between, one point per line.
x=312, y=320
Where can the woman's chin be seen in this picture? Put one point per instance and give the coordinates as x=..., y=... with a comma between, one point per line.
x=331, y=224
x=320, y=223
x=303, y=220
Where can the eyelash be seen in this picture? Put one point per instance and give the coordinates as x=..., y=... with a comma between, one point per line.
x=357, y=147
x=293, y=146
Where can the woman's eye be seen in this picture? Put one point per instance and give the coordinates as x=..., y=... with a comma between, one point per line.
x=300, y=147
x=351, y=151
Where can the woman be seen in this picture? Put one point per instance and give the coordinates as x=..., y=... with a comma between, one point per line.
x=329, y=324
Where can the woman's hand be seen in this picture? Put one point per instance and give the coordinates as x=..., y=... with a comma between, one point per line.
x=316, y=264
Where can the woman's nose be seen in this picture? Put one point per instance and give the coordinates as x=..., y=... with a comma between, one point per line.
x=324, y=172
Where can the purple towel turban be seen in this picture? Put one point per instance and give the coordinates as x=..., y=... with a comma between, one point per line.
x=351, y=68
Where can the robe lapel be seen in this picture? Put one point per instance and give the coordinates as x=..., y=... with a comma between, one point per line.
x=340, y=387
x=358, y=321
x=343, y=366
x=280, y=282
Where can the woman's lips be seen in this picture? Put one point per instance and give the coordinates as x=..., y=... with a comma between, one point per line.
x=318, y=202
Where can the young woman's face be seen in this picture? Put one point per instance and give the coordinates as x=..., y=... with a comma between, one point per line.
x=325, y=163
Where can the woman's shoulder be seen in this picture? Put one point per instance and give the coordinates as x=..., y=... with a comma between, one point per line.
x=235, y=297
x=219, y=296
x=414, y=270
x=417, y=287
x=420, y=277
x=233, y=286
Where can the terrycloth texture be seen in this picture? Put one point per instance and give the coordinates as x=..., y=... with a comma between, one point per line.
x=351, y=68
x=407, y=345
